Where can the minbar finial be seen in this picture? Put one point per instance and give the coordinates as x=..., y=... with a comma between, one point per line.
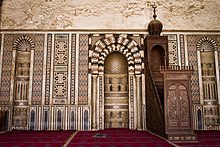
x=154, y=6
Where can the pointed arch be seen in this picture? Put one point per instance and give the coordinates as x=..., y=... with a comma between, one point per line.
x=123, y=44
x=208, y=52
x=134, y=55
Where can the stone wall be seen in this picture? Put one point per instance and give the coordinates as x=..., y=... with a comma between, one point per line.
x=109, y=14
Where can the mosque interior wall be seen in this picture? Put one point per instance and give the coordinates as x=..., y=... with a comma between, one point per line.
x=52, y=55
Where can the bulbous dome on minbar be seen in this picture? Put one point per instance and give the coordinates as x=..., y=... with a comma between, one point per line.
x=155, y=27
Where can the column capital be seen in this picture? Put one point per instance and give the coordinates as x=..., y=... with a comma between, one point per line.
x=138, y=77
x=94, y=76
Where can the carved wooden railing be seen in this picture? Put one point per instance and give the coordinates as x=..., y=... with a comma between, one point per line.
x=155, y=113
x=174, y=67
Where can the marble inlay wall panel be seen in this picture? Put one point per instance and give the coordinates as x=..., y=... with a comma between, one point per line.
x=6, y=69
x=67, y=68
x=83, y=69
x=60, y=83
x=192, y=41
x=192, y=56
x=38, y=69
x=172, y=49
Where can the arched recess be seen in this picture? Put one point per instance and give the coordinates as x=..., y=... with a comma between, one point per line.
x=59, y=120
x=157, y=59
x=73, y=120
x=199, y=119
x=22, y=50
x=209, y=80
x=6, y=121
x=85, y=120
x=132, y=51
x=32, y=122
x=45, y=120
x=116, y=101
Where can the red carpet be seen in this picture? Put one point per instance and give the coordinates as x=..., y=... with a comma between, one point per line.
x=34, y=138
x=104, y=138
x=117, y=138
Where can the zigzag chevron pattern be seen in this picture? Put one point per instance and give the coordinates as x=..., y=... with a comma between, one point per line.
x=128, y=47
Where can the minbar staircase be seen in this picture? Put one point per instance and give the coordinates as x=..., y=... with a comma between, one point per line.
x=173, y=120
x=159, y=84
x=155, y=113
x=156, y=54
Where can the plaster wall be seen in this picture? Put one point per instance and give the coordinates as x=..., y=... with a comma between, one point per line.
x=109, y=14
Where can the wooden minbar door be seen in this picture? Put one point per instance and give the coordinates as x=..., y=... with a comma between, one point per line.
x=178, y=103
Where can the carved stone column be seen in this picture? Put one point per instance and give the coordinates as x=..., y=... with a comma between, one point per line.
x=94, y=87
x=139, y=102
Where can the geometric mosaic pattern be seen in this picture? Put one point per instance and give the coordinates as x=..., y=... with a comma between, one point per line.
x=192, y=56
x=172, y=49
x=83, y=69
x=38, y=69
x=60, y=84
x=48, y=69
x=73, y=61
x=6, y=69
x=61, y=49
x=182, y=50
